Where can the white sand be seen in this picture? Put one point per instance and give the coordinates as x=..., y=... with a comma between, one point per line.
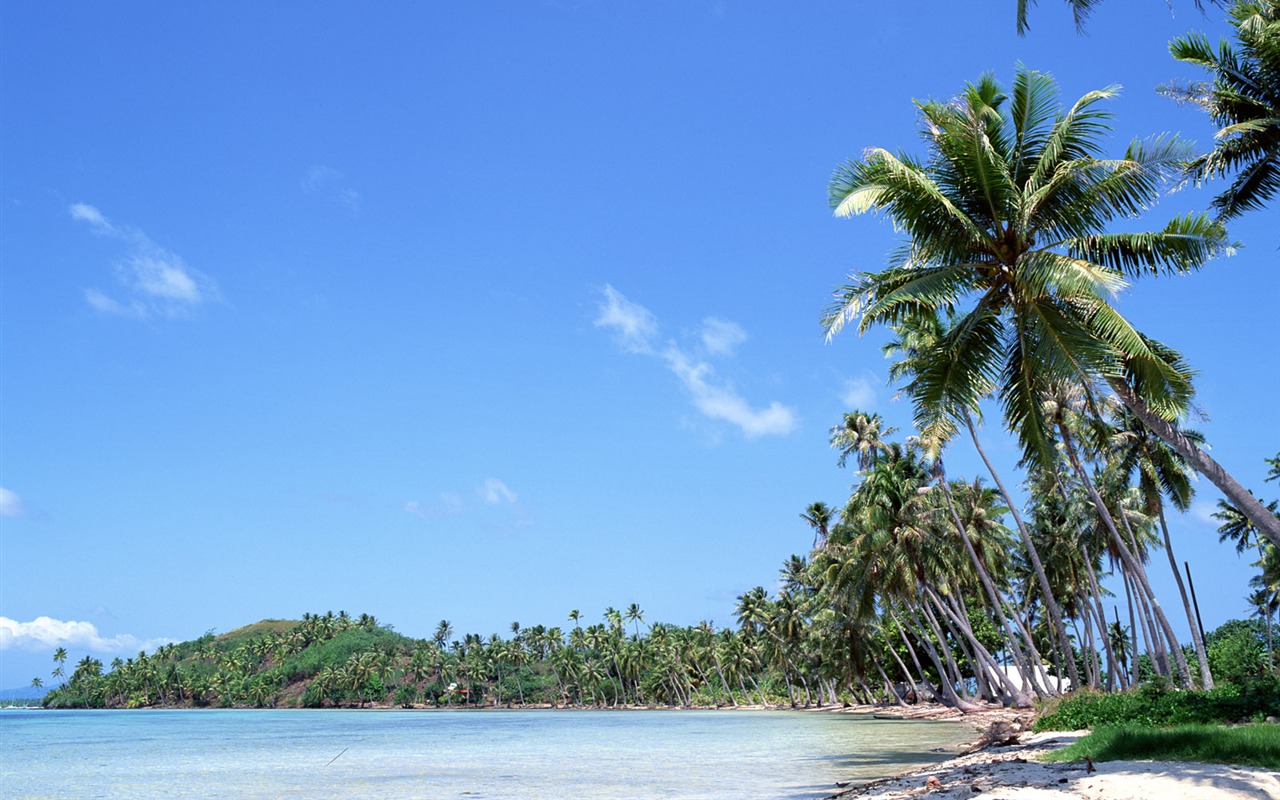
x=1012, y=773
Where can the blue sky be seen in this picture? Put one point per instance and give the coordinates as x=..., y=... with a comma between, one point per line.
x=490, y=311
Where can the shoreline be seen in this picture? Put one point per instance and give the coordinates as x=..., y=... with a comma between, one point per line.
x=1006, y=771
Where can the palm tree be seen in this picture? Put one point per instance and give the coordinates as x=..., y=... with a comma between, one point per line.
x=862, y=436
x=819, y=516
x=634, y=615
x=444, y=632
x=59, y=658
x=1244, y=100
x=1008, y=218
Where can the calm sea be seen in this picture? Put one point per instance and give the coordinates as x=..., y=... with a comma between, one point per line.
x=533, y=755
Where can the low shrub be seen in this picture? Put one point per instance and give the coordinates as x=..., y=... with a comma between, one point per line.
x=1156, y=705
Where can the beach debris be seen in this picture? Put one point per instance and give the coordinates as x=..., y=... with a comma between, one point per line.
x=933, y=782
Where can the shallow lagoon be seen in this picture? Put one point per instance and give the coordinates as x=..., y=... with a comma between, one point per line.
x=441, y=754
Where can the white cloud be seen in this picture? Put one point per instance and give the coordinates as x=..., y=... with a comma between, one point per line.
x=1204, y=512
x=858, y=393
x=721, y=402
x=45, y=633
x=10, y=503
x=330, y=184
x=152, y=281
x=720, y=337
x=637, y=330
x=634, y=325
x=91, y=215
x=495, y=492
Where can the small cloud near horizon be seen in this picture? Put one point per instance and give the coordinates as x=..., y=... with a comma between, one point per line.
x=635, y=329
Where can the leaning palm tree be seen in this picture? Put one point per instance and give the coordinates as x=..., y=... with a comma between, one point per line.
x=1243, y=100
x=1007, y=227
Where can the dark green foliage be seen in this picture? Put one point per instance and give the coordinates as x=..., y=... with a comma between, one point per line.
x=337, y=651
x=1158, y=706
x=1237, y=650
x=1249, y=745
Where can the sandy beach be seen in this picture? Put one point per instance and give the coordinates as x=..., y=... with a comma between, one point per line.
x=1012, y=772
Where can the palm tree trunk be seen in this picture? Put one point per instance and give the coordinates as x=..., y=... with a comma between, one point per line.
x=1179, y=658
x=1058, y=631
x=954, y=676
x=997, y=602
x=1206, y=678
x=1133, y=635
x=888, y=685
x=1129, y=558
x=911, y=651
x=1096, y=611
x=985, y=666
x=946, y=689
x=1244, y=501
x=911, y=681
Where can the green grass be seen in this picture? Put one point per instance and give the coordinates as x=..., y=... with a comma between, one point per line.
x=1248, y=745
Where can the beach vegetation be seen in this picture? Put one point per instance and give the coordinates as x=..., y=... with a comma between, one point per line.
x=1255, y=745
x=1156, y=705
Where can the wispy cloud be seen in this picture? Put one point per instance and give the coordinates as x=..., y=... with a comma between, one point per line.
x=46, y=633
x=721, y=337
x=495, y=504
x=633, y=326
x=1203, y=512
x=151, y=281
x=10, y=503
x=495, y=492
x=858, y=393
x=329, y=184
x=636, y=330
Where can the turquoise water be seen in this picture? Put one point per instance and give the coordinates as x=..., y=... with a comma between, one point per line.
x=534, y=755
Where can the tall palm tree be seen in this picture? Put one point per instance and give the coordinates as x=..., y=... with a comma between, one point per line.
x=1243, y=100
x=1007, y=220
